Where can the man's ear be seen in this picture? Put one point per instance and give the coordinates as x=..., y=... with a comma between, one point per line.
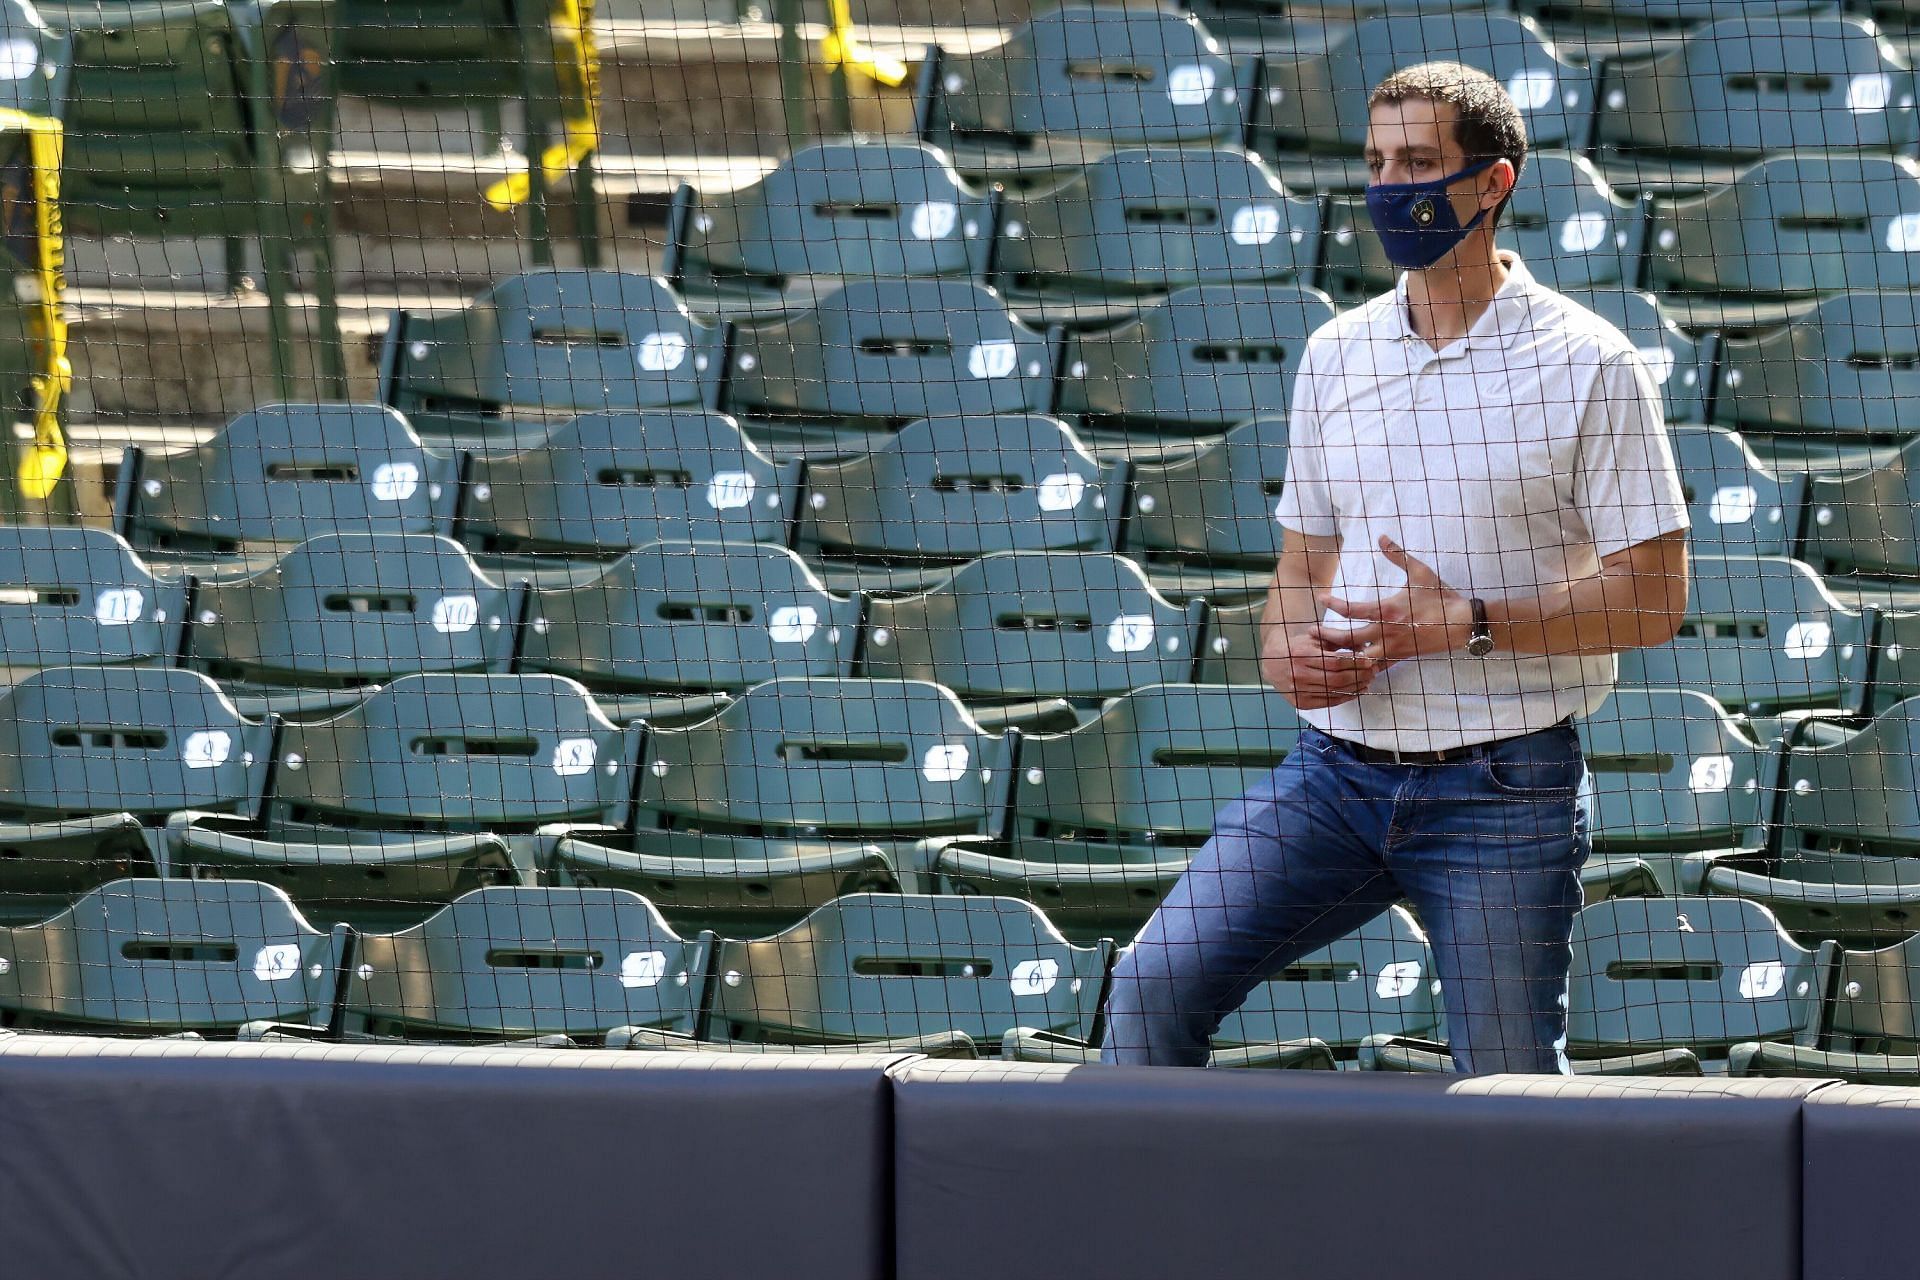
x=1497, y=183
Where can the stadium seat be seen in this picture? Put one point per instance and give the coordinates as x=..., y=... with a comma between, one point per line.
x=1035, y=638
x=798, y=792
x=91, y=757
x=1855, y=789
x=203, y=118
x=1106, y=817
x=1761, y=634
x=947, y=490
x=1851, y=366
x=1662, y=15
x=1313, y=112
x=1872, y=1026
x=1208, y=514
x=346, y=612
x=1079, y=79
x=605, y=483
x=1818, y=894
x=832, y=211
x=1737, y=505
x=1567, y=225
x=1693, y=973
x=279, y=475
x=670, y=630
x=1677, y=361
x=429, y=788
x=512, y=963
x=1748, y=86
x=878, y=354
x=1866, y=520
x=1205, y=360
x=158, y=957
x=1144, y=222
x=79, y=597
x=544, y=346
x=894, y=966
x=1670, y=770
x=1024, y=1044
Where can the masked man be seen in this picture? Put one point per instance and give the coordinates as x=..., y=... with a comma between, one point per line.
x=1480, y=511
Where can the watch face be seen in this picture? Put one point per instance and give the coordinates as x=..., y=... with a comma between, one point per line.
x=1480, y=646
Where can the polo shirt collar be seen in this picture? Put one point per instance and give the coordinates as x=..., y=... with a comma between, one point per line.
x=1505, y=317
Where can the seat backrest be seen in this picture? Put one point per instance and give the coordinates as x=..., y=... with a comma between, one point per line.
x=1151, y=221
x=353, y=609
x=1668, y=14
x=856, y=210
x=1155, y=768
x=1862, y=792
x=146, y=956
x=1668, y=769
x=693, y=615
x=284, y=473
x=856, y=758
x=1851, y=366
x=1216, y=504
x=462, y=752
x=1867, y=520
x=72, y=596
x=1110, y=74
x=1876, y=994
x=1700, y=973
x=1753, y=84
x=1794, y=225
x=1206, y=359
x=883, y=966
x=1736, y=505
x=1761, y=633
x=1672, y=356
x=514, y=962
x=950, y=489
x=1029, y=624
x=555, y=342
x=605, y=483
x=892, y=351
x=1319, y=102
x=143, y=740
x=1378, y=980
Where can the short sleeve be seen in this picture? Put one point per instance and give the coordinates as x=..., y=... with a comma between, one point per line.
x=1627, y=487
x=1306, y=503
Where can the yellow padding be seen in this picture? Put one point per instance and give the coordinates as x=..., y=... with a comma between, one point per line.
x=576, y=68
x=46, y=460
x=841, y=45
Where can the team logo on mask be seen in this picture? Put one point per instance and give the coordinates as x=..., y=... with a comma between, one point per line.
x=1422, y=213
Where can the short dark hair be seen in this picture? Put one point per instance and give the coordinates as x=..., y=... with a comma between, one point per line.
x=1487, y=125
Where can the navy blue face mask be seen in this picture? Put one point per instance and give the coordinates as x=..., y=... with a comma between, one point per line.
x=1416, y=222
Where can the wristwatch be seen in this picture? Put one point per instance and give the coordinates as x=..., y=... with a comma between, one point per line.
x=1480, y=640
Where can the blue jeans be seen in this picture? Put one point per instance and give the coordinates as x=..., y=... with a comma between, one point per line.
x=1487, y=848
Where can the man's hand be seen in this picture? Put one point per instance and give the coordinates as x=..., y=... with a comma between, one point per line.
x=1310, y=672
x=1427, y=617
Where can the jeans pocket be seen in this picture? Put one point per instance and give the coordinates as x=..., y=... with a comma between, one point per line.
x=1536, y=777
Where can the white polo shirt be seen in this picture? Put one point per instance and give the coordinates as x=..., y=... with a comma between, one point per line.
x=1517, y=457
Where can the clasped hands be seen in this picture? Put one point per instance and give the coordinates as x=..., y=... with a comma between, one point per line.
x=1323, y=666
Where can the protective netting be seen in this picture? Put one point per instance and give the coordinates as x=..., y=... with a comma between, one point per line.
x=746, y=530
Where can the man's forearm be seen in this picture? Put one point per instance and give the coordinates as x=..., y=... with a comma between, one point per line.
x=1611, y=611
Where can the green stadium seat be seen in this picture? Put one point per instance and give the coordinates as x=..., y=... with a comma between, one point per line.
x=1689, y=973
x=1313, y=113
x=605, y=483
x=1677, y=361
x=1748, y=86
x=204, y=118
x=800, y=791
x=1106, y=817
x=1662, y=14
x=1035, y=638
x=667, y=632
x=1024, y=1044
x=1866, y=520
x=1855, y=790
x=92, y=757
x=1567, y=225
x=1738, y=506
x=1670, y=770
x=158, y=957
x=344, y=613
x=1208, y=513
x=832, y=211
x=1144, y=222
x=1332, y=12
x=1761, y=634
x=947, y=490
x=896, y=966
x=279, y=475
x=1849, y=367
x=544, y=346
x=1872, y=1028
x=512, y=963
x=431, y=787
x=1205, y=360
x=878, y=354
x=1818, y=894
x=1079, y=79
x=79, y=597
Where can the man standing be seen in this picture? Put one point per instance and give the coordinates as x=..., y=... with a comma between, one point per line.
x=1480, y=511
